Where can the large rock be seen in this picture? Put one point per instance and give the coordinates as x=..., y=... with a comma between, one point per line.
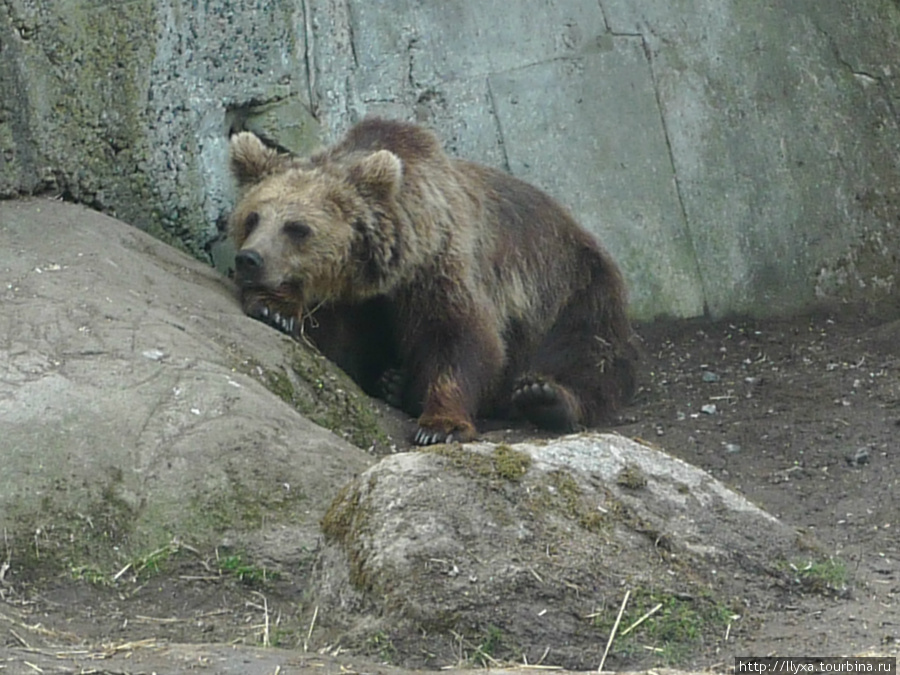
x=139, y=404
x=504, y=552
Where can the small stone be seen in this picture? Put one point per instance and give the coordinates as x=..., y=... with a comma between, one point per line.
x=709, y=376
x=858, y=458
x=709, y=409
x=732, y=448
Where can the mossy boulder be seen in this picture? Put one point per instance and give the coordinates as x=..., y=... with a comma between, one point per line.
x=502, y=553
x=140, y=405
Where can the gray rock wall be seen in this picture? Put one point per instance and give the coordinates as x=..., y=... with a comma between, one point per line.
x=734, y=157
x=126, y=106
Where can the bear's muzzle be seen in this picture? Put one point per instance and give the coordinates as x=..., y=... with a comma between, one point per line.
x=248, y=267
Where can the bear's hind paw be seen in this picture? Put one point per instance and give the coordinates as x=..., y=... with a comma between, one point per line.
x=546, y=404
x=390, y=387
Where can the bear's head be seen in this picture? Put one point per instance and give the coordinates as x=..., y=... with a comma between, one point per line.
x=313, y=232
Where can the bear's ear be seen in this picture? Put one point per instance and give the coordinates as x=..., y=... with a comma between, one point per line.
x=250, y=159
x=379, y=174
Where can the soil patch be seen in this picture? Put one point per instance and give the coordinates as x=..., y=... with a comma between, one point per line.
x=801, y=416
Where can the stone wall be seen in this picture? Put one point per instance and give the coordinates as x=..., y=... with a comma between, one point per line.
x=734, y=156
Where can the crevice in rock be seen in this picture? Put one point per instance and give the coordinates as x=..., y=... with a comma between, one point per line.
x=499, y=126
x=309, y=59
x=648, y=54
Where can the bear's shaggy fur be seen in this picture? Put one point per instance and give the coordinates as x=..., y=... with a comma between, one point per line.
x=480, y=288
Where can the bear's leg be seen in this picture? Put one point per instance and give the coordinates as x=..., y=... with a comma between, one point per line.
x=447, y=414
x=584, y=369
x=358, y=337
x=452, y=366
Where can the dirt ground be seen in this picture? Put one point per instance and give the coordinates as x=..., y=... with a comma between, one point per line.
x=805, y=424
x=801, y=416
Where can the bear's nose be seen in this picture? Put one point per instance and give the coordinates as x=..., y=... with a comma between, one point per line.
x=248, y=264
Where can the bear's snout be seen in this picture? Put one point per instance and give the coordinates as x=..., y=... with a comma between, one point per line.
x=248, y=265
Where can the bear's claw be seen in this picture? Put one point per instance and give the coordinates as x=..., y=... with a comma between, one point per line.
x=535, y=393
x=432, y=437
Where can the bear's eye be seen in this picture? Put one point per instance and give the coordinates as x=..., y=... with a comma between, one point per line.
x=250, y=223
x=296, y=230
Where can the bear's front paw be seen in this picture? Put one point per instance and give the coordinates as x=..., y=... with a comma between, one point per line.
x=289, y=325
x=431, y=432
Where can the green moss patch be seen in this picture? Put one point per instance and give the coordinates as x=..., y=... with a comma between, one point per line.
x=563, y=494
x=503, y=463
x=822, y=576
x=322, y=393
x=346, y=521
x=671, y=626
x=253, y=575
x=631, y=477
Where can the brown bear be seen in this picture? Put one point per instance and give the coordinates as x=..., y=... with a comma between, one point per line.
x=483, y=290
